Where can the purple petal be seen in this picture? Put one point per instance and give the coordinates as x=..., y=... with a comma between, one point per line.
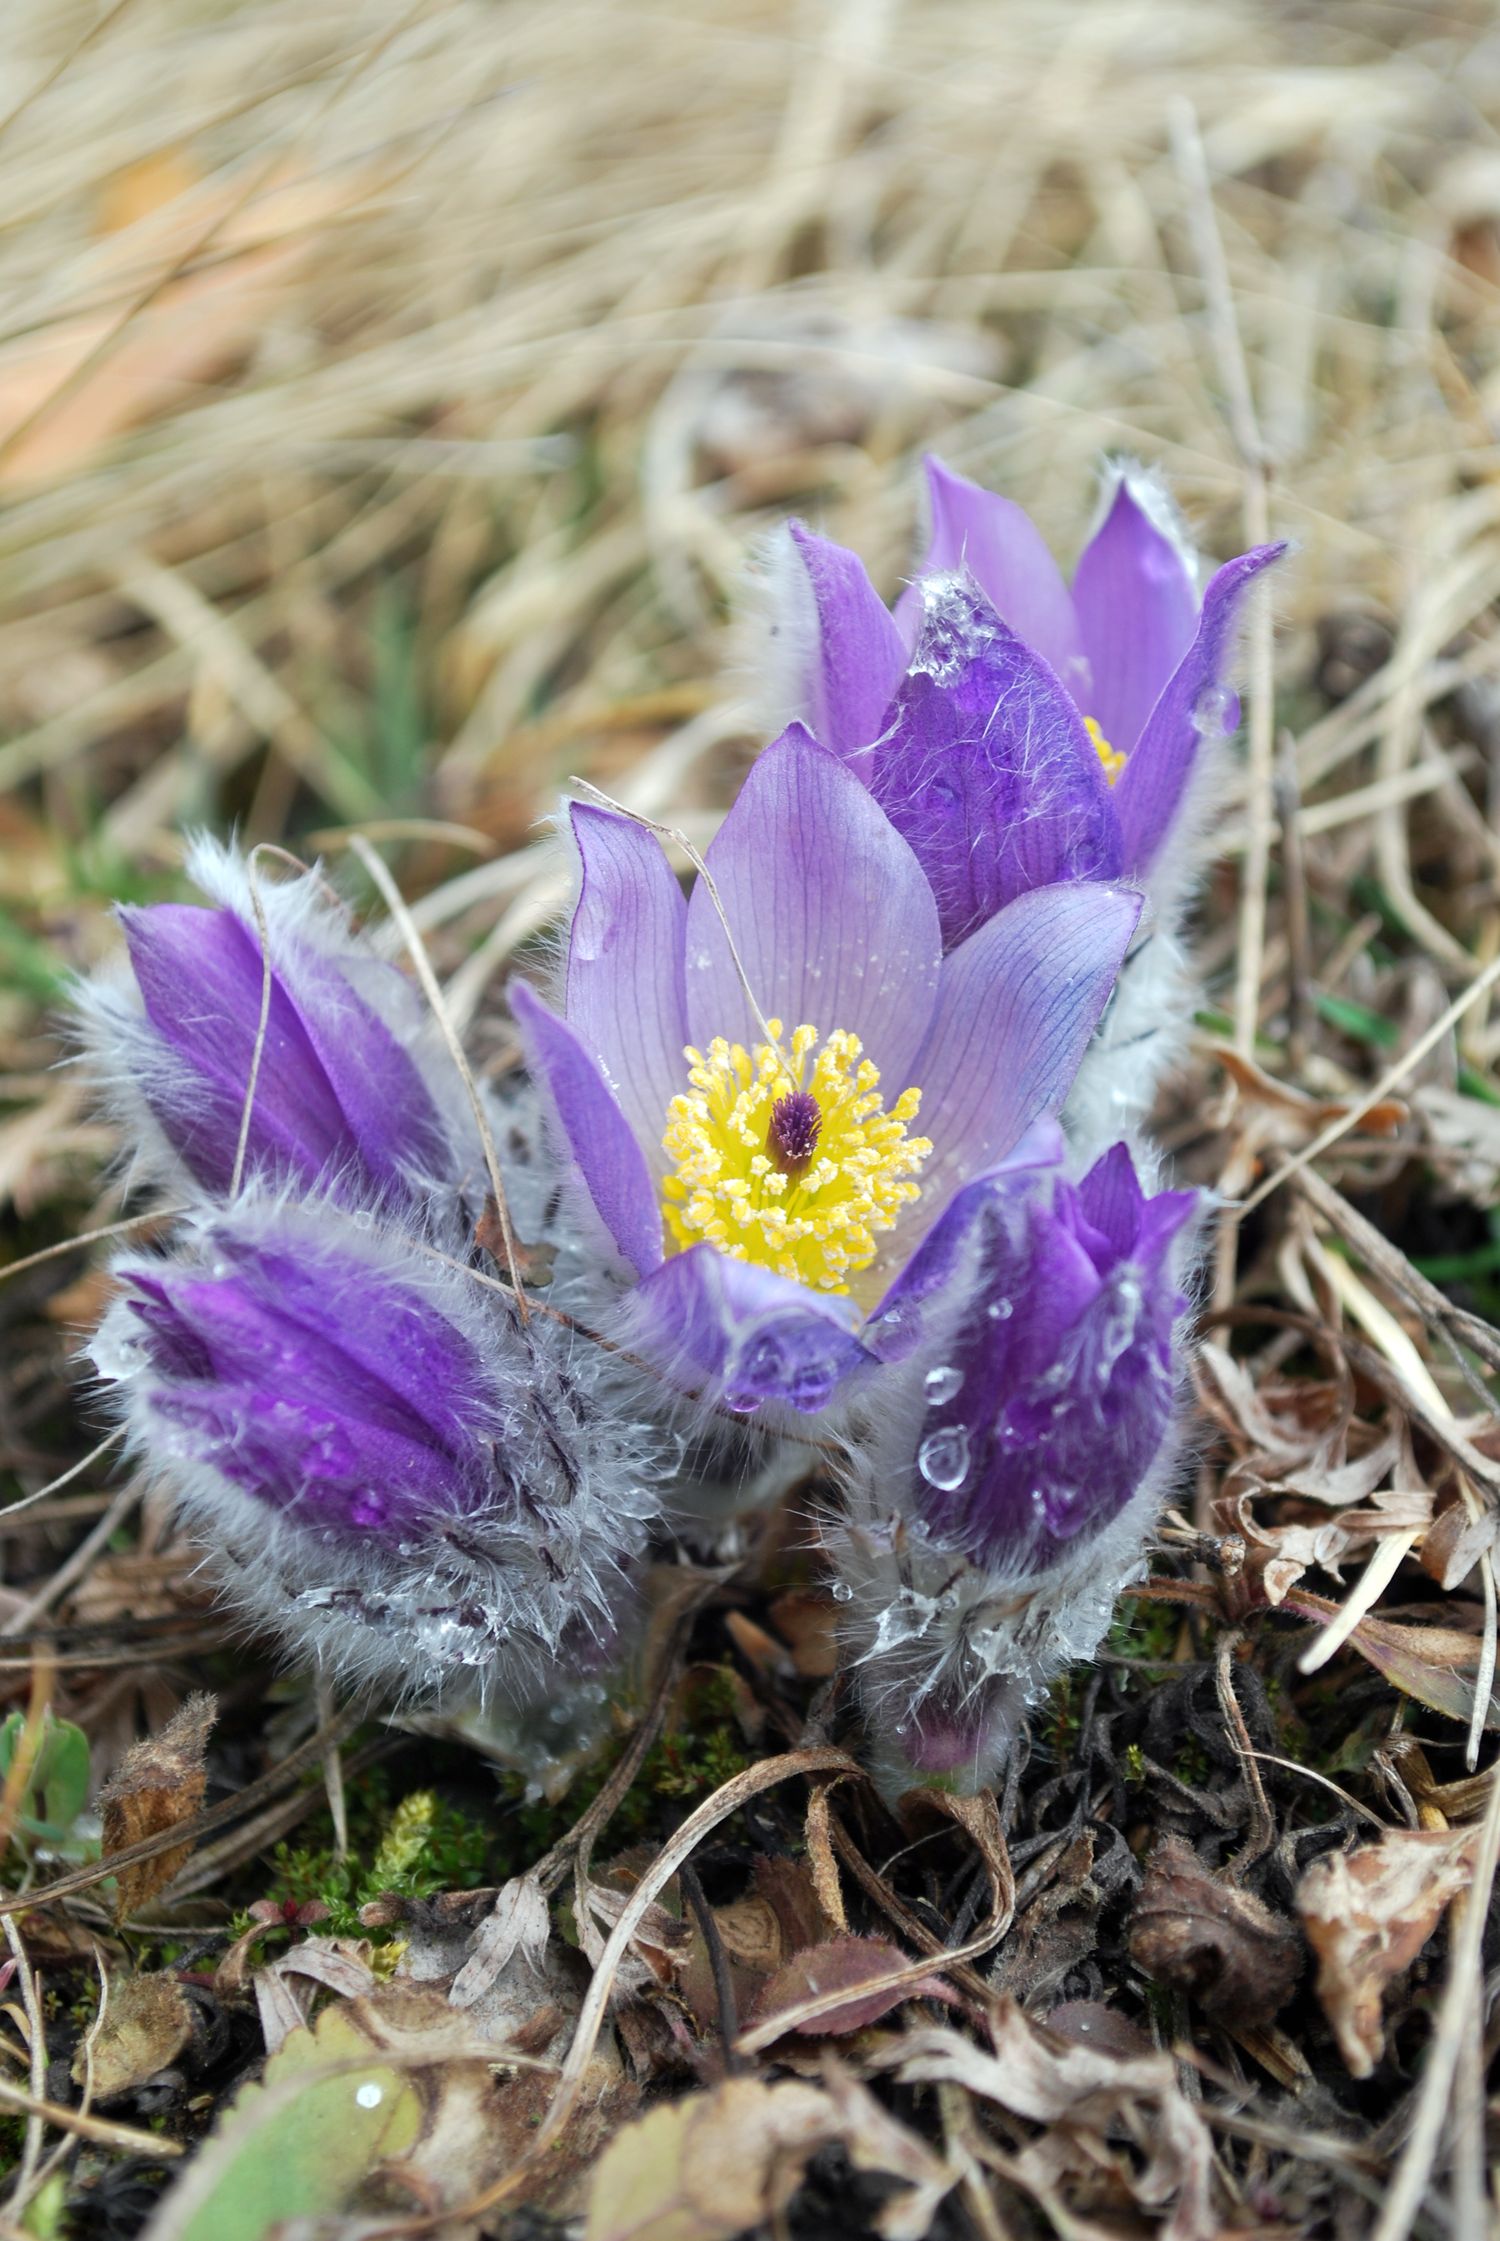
x=626, y=1000
x=1003, y=550
x=1016, y=1006
x=898, y=1323
x=1194, y=705
x=1062, y=1401
x=985, y=766
x=321, y=1386
x=750, y=1338
x=853, y=666
x=1112, y=1199
x=605, y=1152
x=336, y=1097
x=833, y=920
x=1137, y=603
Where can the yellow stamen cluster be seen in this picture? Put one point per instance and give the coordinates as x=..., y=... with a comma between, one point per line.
x=818, y=1226
x=1110, y=757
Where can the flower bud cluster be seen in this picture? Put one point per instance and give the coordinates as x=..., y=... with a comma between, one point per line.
x=951, y=888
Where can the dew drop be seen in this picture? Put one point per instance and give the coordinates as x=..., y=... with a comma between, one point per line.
x=942, y=1384
x=369, y=2096
x=842, y=1592
x=943, y=1458
x=1000, y=1310
x=1215, y=711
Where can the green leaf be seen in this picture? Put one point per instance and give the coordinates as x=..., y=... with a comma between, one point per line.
x=1357, y=1020
x=301, y=2143
x=57, y=1787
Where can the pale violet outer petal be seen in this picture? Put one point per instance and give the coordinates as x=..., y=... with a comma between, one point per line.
x=853, y=663
x=604, y=1150
x=626, y=1000
x=833, y=920
x=1195, y=705
x=1017, y=1004
x=1003, y=550
x=1137, y=605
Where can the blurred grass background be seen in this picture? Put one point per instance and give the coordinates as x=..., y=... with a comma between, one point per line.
x=392, y=396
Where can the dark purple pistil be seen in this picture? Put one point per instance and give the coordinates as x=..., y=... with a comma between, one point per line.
x=792, y=1138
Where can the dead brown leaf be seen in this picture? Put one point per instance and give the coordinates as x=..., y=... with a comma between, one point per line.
x=158, y=1783
x=719, y=2163
x=1194, y=1933
x=1368, y=1913
x=147, y=2023
x=842, y=1965
x=1086, y=2095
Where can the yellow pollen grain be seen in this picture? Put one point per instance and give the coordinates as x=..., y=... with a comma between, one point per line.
x=1110, y=757
x=820, y=1227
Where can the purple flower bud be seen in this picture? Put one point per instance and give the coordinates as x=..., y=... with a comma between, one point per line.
x=385, y=1468
x=1000, y=1498
x=338, y=1098
x=1056, y=1384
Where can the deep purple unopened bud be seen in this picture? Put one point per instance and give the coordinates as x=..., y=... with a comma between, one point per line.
x=319, y=1385
x=1001, y=1498
x=384, y=1467
x=792, y=1138
x=1056, y=1387
x=337, y=1099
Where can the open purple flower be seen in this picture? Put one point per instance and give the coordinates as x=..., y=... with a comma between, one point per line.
x=1016, y=731
x=997, y=1512
x=340, y=1098
x=767, y=1187
x=387, y=1473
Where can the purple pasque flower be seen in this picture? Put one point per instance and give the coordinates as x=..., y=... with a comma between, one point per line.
x=738, y=1095
x=1002, y=1495
x=386, y=1470
x=1017, y=731
x=344, y=1094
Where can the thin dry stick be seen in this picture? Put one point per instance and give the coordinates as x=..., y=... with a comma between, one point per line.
x=69, y=2140
x=1208, y=246
x=62, y=1579
x=74, y=1470
x=125, y=2137
x=1465, y=1985
x=262, y=1027
x=1298, y=938
x=89, y=1237
x=333, y=1770
x=36, y=2031
x=1237, y=1209
x=395, y=903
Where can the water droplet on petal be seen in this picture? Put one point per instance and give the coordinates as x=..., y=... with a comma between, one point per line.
x=1000, y=1310
x=943, y=1458
x=942, y=1384
x=1215, y=711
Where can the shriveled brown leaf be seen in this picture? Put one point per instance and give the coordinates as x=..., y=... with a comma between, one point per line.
x=842, y=1965
x=719, y=2163
x=340, y=1965
x=1435, y=1664
x=147, y=2023
x=1368, y=1913
x=1195, y=1933
x=158, y=1783
x=1077, y=2089
x=805, y=1622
